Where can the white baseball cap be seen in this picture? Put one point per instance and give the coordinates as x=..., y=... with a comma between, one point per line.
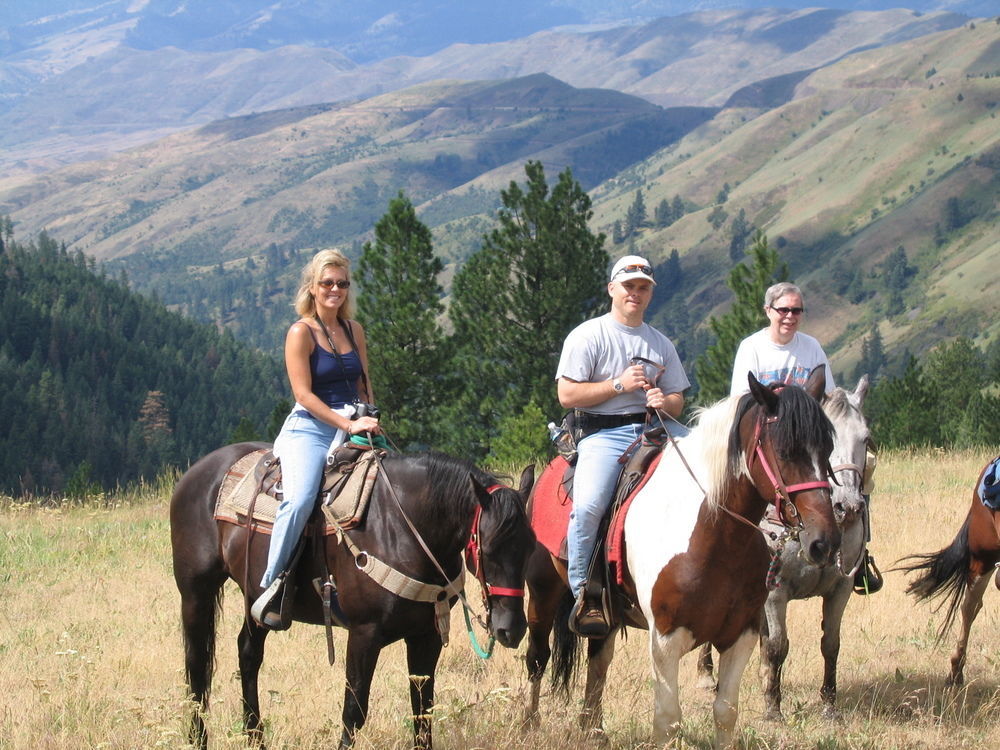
x=632, y=267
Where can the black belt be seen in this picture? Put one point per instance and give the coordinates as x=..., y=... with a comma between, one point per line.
x=587, y=421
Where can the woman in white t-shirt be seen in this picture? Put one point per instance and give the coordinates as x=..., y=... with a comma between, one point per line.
x=779, y=353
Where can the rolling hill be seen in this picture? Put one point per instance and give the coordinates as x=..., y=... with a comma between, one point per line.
x=81, y=85
x=893, y=147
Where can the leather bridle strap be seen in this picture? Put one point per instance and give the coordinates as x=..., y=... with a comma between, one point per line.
x=474, y=553
x=782, y=492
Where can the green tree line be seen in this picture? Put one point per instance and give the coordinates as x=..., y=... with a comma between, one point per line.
x=102, y=386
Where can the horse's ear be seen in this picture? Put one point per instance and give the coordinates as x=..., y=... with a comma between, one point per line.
x=816, y=384
x=762, y=394
x=862, y=389
x=527, y=480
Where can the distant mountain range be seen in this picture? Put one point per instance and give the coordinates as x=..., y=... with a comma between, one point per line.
x=81, y=79
x=845, y=157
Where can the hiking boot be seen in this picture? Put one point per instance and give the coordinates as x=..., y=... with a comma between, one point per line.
x=868, y=579
x=266, y=611
x=587, y=619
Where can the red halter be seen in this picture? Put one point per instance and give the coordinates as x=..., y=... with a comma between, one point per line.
x=474, y=555
x=788, y=514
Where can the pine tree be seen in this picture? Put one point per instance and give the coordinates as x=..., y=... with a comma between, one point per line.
x=872, y=356
x=636, y=215
x=902, y=411
x=536, y=276
x=617, y=234
x=662, y=214
x=399, y=304
x=714, y=368
x=676, y=208
x=739, y=231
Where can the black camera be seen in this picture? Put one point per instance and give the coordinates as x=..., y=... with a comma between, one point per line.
x=362, y=409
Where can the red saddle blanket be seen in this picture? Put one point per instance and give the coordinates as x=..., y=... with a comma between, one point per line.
x=551, y=506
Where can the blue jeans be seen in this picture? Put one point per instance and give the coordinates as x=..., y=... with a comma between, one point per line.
x=302, y=446
x=597, y=471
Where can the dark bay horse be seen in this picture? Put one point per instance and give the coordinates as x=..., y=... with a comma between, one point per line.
x=799, y=578
x=696, y=560
x=441, y=497
x=960, y=573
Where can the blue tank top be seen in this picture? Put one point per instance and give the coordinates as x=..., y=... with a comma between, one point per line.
x=334, y=379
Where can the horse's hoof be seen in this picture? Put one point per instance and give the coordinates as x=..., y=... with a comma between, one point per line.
x=775, y=715
x=830, y=713
x=531, y=720
x=598, y=737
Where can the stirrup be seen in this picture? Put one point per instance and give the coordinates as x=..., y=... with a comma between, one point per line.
x=264, y=611
x=588, y=618
x=868, y=579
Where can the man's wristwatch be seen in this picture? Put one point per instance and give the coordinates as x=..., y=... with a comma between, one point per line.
x=617, y=385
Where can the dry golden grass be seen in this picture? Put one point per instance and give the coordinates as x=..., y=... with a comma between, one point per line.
x=90, y=650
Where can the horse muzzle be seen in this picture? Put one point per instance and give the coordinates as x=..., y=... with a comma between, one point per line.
x=819, y=549
x=508, y=625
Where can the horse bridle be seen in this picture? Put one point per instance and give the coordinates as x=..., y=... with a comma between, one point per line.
x=474, y=557
x=785, y=509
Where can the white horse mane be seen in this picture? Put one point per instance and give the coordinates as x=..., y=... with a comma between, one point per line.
x=711, y=430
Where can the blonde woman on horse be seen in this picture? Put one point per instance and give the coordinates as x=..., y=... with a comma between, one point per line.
x=326, y=361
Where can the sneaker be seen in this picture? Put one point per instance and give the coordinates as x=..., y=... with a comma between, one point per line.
x=587, y=619
x=868, y=579
x=266, y=609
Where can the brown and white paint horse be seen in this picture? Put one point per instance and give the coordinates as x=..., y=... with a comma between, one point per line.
x=697, y=562
x=800, y=579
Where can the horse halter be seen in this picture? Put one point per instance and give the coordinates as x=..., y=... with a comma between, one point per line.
x=474, y=557
x=786, y=511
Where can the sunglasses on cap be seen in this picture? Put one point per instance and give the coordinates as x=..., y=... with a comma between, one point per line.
x=635, y=267
x=330, y=283
x=788, y=310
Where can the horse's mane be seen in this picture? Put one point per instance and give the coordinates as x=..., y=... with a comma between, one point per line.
x=801, y=431
x=450, y=493
x=837, y=404
x=712, y=427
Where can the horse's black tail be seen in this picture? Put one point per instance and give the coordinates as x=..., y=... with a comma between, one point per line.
x=199, y=625
x=565, y=648
x=944, y=575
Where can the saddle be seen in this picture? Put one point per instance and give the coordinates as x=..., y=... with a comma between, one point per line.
x=989, y=488
x=251, y=489
x=550, y=513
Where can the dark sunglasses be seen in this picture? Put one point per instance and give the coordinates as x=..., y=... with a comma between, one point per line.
x=648, y=270
x=330, y=283
x=788, y=310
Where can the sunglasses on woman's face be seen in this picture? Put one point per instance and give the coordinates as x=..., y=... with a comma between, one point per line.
x=330, y=283
x=783, y=311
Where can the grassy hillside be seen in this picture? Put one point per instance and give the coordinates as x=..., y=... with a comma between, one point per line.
x=85, y=85
x=183, y=215
x=895, y=147
x=101, y=664
x=869, y=155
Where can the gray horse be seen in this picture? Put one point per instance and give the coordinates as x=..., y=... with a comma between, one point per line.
x=800, y=580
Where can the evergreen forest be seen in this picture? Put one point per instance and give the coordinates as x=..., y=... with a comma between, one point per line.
x=102, y=386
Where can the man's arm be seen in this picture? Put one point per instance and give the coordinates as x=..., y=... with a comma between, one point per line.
x=574, y=394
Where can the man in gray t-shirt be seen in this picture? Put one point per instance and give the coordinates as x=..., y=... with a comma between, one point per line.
x=611, y=370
